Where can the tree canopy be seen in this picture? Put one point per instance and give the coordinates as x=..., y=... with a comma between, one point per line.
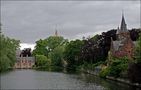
x=8, y=49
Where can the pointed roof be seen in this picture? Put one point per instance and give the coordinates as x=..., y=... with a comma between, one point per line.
x=123, y=24
x=56, y=33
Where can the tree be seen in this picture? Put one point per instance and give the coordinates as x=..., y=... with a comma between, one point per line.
x=44, y=47
x=56, y=56
x=40, y=48
x=138, y=50
x=134, y=70
x=42, y=61
x=8, y=49
x=72, y=53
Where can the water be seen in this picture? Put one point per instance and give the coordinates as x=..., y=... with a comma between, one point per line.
x=32, y=79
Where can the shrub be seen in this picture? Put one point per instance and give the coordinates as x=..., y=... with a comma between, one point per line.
x=117, y=66
x=104, y=72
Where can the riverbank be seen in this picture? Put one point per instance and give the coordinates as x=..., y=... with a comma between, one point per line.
x=114, y=79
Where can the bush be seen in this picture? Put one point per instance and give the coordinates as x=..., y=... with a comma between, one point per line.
x=104, y=72
x=42, y=61
x=117, y=66
x=116, y=70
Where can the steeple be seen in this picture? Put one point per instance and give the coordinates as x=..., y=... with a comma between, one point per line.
x=123, y=27
x=56, y=33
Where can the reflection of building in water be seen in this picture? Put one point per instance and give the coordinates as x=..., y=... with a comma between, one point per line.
x=123, y=46
x=24, y=60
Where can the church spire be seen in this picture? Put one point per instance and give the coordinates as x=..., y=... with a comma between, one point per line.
x=56, y=33
x=123, y=27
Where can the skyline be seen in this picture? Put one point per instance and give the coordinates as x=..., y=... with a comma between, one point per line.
x=34, y=20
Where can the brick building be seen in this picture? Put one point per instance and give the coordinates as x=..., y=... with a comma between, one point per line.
x=23, y=62
x=123, y=46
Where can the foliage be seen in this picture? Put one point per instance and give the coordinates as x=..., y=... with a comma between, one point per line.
x=117, y=66
x=42, y=61
x=44, y=47
x=8, y=49
x=26, y=52
x=40, y=48
x=104, y=72
x=134, y=70
x=53, y=48
x=56, y=55
x=138, y=50
x=54, y=41
x=72, y=54
x=96, y=49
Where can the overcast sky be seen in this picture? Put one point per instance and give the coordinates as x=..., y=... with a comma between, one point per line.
x=28, y=21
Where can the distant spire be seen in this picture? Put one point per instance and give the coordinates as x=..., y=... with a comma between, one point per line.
x=123, y=24
x=56, y=33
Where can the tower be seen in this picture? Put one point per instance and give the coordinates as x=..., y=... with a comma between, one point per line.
x=123, y=27
x=56, y=33
x=123, y=46
x=122, y=32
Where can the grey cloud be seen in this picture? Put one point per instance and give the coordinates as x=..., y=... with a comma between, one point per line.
x=29, y=21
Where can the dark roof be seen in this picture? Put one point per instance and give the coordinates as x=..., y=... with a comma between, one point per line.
x=123, y=27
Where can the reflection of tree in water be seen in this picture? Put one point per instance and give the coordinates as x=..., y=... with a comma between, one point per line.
x=107, y=84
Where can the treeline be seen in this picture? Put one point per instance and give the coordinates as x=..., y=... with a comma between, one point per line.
x=55, y=51
x=7, y=52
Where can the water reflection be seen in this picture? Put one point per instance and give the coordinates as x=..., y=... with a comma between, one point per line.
x=31, y=79
x=107, y=84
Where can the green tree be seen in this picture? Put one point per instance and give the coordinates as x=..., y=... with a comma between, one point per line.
x=44, y=47
x=40, y=47
x=42, y=61
x=8, y=49
x=117, y=66
x=72, y=53
x=138, y=50
x=56, y=56
x=134, y=68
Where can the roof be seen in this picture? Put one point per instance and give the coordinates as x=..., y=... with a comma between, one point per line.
x=123, y=27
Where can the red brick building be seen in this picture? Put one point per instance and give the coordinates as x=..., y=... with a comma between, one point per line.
x=23, y=62
x=123, y=46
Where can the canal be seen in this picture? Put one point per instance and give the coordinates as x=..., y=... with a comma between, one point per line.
x=32, y=79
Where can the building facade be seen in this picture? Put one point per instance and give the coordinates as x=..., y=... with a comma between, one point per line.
x=23, y=62
x=123, y=46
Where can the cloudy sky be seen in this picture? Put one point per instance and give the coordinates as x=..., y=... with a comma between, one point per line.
x=28, y=21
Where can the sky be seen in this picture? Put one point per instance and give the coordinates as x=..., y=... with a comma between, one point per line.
x=29, y=21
